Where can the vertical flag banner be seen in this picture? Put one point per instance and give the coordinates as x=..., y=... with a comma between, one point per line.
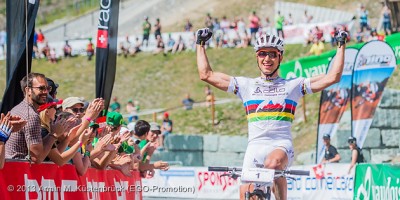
x=16, y=48
x=106, y=49
x=334, y=101
x=375, y=63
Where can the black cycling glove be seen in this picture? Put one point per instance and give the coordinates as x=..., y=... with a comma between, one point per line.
x=203, y=35
x=341, y=37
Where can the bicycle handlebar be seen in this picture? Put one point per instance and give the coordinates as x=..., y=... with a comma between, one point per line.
x=224, y=169
x=298, y=172
x=239, y=169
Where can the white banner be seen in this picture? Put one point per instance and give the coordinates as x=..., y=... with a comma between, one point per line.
x=330, y=181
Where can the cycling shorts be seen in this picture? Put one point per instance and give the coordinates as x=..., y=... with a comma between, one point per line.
x=258, y=151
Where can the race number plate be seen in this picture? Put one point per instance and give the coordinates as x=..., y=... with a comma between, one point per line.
x=258, y=175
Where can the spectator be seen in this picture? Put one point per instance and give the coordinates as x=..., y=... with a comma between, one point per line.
x=160, y=48
x=28, y=143
x=254, y=24
x=359, y=36
x=46, y=51
x=142, y=129
x=188, y=102
x=157, y=28
x=363, y=16
x=224, y=24
x=7, y=126
x=317, y=48
x=166, y=129
x=115, y=106
x=53, y=56
x=40, y=37
x=387, y=15
x=267, y=26
x=179, y=45
x=373, y=35
x=170, y=43
x=356, y=153
x=125, y=46
x=241, y=27
x=75, y=106
x=109, y=142
x=146, y=27
x=67, y=49
x=306, y=18
x=90, y=49
x=209, y=21
x=331, y=154
x=319, y=34
x=188, y=26
x=53, y=88
x=58, y=153
x=290, y=20
x=279, y=20
x=136, y=48
x=333, y=38
x=147, y=148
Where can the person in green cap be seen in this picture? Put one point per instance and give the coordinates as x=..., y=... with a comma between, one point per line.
x=108, y=144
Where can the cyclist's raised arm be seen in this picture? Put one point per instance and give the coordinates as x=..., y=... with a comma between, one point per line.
x=321, y=82
x=217, y=79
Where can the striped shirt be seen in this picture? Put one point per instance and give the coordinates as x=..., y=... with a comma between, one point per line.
x=16, y=146
x=270, y=105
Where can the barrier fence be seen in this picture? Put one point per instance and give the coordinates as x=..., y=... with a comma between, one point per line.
x=22, y=180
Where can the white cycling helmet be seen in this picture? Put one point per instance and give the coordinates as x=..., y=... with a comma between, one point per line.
x=266, y=40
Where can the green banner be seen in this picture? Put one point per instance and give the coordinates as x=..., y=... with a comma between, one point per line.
x=377, y=182
x=315, y=65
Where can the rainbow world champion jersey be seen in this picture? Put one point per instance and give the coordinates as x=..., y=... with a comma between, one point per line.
x=270, y=105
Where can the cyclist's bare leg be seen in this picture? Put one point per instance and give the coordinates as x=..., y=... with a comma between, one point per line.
x=244, y=188
x=278, y=159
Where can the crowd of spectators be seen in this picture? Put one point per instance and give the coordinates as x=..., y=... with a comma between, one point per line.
x=43, y=128
x=236, y=32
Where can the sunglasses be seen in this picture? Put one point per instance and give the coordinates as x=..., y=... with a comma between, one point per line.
x=43, y=88
x=78, y=110
x=271, y=54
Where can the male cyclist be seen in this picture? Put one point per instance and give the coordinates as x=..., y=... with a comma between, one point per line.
x=270, y=101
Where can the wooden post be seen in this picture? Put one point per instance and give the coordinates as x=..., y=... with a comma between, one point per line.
x=212, y=111
x=154, y=117
x=304, y=109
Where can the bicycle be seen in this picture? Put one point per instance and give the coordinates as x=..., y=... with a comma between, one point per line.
x=262, y=176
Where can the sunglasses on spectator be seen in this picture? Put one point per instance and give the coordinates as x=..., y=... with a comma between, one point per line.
x=271, y=54
x=78, y=110
x=43, y=88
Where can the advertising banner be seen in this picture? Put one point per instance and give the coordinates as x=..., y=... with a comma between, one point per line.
x=106, y=49
x=307, y=66
x=20, y=180
x=330, y=181
x=334, y=100
x=19, y=35
x=374, y=65
x=377, y=182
